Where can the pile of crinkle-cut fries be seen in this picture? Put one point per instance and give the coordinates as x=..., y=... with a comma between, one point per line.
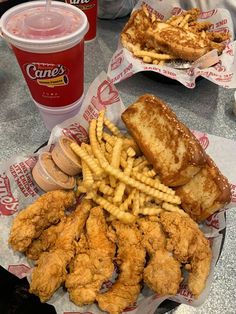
x=118, y=177
x=180, y=37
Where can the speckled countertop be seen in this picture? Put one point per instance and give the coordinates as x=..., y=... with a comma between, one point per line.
x=206, y=108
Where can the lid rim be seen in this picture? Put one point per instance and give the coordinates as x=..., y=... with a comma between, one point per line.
x=43, y=42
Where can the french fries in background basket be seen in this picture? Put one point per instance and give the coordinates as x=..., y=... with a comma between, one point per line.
x=118, y=177
x=180, y=37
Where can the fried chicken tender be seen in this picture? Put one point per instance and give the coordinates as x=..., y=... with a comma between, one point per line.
x=93, y=265
x=131, y=260
x=50, y=271
x=153, y=235
x=163, y=273
x=46, y=241
x=30, y=222
x=188, y=245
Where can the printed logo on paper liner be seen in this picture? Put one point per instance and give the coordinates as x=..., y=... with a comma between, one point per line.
x=107, y=95
x=76, y=132
x=20, y=270
x=131, y=307
x=208, y=14
x=213, y=221
x=233, y=191
x=185, y=293
x=202, y=138
x=8, y=203
x=47, y=74
x=117, y=60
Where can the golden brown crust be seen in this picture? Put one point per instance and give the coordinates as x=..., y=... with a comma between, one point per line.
x=205, y=193
x=168, y=145
x=181, y=43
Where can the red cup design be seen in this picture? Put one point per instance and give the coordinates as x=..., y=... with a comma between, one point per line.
x=54, y=79
x=89, y=7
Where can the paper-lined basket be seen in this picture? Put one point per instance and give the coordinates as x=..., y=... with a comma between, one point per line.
x=18, y=190
x=220, y=70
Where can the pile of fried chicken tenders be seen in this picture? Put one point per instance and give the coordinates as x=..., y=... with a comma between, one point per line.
x=129, y=217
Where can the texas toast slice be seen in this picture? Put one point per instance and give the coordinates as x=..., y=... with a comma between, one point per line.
x=168, y=145
x=205, y=193
x=181, y=43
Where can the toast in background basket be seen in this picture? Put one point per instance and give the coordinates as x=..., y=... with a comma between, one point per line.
x=177, y=156
x=180, y=37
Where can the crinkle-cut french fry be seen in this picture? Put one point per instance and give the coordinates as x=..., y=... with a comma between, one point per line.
x=150, y=173
x=109, y=199
x=108, y=138
x=142, y=198
x=87, y=175
x=140, y=166
x=88, y=148
x=147, y=59
x=103, y=147
x=172, y=208
x=124, y=154
x=123, y=162
x=177, y=21
x=104, y=188
x=94, y=143
x=186, y=26
x=100, y=122
x=171, y=19
x=145, y=169
x=82, y=189
x=139, y=160
x=115, y=160
x=129, y=142
x=121, y=186
x=153, y=183
x=118, y=174
x=87, y=158
x=150, y=211
x=108, y=156
x=131, y=152
x=155, y=62
x=91, y=194
x=135, y=207
x=114, y=130
x=154, y=55
x=184, y=21
x=109, y=147
x=128, y=201
x=114, y=210
x=110, y=218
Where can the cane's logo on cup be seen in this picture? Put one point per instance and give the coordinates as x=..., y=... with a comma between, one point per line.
x=84, y=4
x=8, y=204
x=47, y=74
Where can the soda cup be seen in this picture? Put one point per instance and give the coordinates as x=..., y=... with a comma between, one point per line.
x=89, y=7
x=49, y=47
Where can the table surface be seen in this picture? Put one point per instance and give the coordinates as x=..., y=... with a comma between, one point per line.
x=206, y=108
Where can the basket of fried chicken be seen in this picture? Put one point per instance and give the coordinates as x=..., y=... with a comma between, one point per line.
x=128, y=217
x=181, y=45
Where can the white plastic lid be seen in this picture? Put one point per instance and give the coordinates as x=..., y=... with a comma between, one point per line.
x=44, y=45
